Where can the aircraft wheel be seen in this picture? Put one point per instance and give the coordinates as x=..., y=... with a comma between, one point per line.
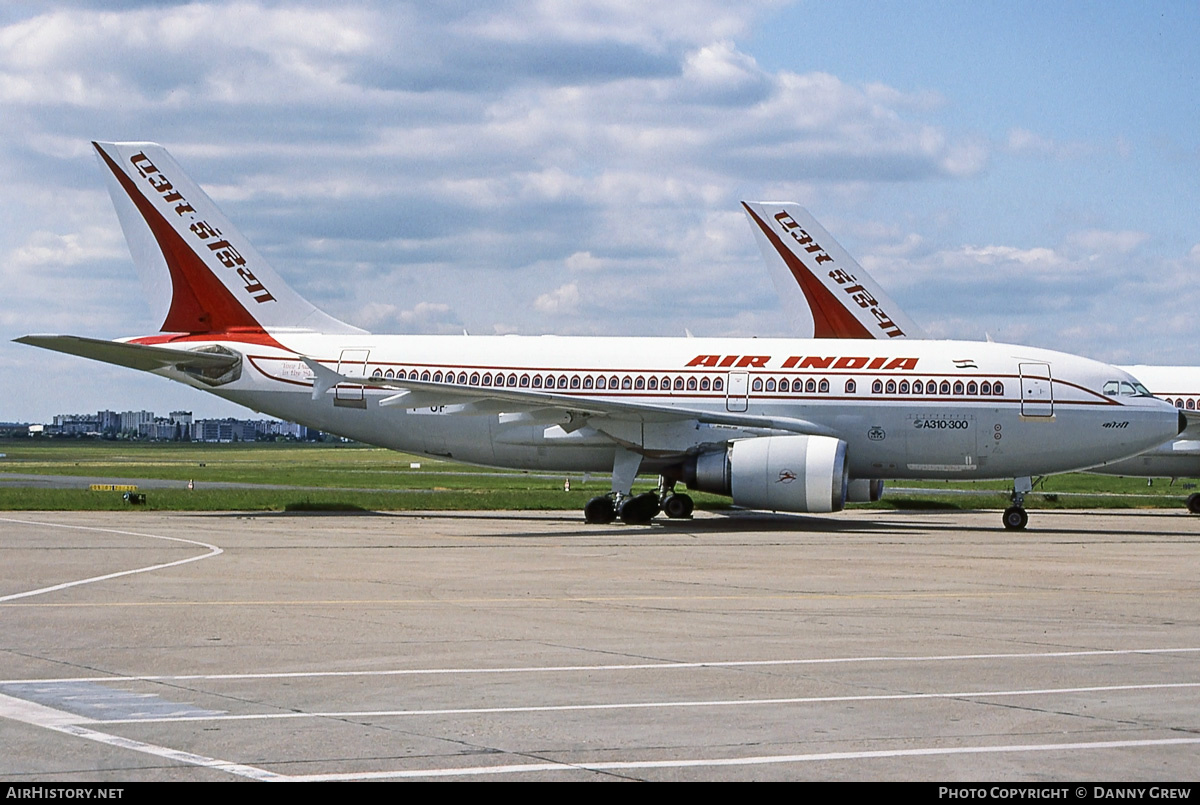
x=599, y=510
x=639, y=509
x=1193, y=503
x=680, y=506
x=1015, y=518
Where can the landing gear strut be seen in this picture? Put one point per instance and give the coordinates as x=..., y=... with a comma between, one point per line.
x=1015, y=518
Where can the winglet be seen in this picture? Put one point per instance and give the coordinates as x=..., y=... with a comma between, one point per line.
x=323, y=379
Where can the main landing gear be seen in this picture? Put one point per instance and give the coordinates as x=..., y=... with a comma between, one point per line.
x=1015, y=518
x=635, y=509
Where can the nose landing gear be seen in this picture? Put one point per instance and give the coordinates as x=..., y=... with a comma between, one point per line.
x=1015, y=518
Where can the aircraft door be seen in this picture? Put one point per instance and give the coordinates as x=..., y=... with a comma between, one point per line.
x=737, y=394
x=1037, y=390
x=352, y=363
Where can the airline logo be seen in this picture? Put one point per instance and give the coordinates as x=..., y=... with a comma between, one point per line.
x=847, y=282
x=208, y=235
x=805, y=362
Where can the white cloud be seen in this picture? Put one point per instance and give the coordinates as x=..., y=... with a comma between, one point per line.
x=562, y=300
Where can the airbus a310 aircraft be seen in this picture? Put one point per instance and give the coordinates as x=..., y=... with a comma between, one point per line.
x=779, y=424
x=840, y=299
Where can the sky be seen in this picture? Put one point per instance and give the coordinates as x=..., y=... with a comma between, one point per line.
x=1024, y=170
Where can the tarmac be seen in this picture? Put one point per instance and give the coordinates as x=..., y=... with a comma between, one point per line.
x=866, y=645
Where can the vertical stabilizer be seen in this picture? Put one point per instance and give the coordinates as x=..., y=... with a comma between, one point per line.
x=814, y=275
x=200, y=272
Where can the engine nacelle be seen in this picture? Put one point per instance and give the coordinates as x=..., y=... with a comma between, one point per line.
x=779, y=473
x=865, y=490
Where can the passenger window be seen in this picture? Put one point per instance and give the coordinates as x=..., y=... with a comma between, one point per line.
x=587, y=381
x=718, y=384
x=958, y=387
x=574, y=381
x=810, y=385
x=679, y=384
x=626, y=383
x=784, y=385
x=640, y=383
x=705, y=383
x=945, y=387
x=998, y=389
x=823, y=386
x=524, y=381
x=652, y=384
x=771, y=384
x=972, y=388
x=877, y=387
x=691, y=384
x=918, y=387
x=757, y=385
x=851, y=387
x=891, y=387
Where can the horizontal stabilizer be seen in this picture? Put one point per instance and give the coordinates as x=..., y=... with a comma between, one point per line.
x=133, y=356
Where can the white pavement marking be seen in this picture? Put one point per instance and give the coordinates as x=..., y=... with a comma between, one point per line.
x=760, y=760
x=213, y=550
x=558, y=708
x=642, y=666
x=68, y=724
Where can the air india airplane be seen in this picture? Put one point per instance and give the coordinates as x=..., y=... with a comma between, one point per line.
x=778, y=424
x=837, y=298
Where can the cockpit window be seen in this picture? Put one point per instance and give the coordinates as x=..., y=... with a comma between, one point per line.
x=1124, y=388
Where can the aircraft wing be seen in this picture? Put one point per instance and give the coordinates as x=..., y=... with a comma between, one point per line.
x=422, y=393
x=134, y=356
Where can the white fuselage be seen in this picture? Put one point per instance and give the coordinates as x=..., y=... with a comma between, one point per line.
x=983, y=410
x=1180, y=457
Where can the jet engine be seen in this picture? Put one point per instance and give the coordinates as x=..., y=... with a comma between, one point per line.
x=778, y=473
x=865, y=490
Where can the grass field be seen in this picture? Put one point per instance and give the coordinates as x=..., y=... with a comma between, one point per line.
x=349, y=477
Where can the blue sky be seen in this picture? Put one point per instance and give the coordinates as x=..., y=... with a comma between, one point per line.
x=1027, y=170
